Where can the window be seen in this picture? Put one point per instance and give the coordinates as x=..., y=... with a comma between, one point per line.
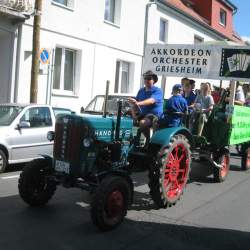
x=223, y=17
x=163, y=30
x=198, y=39
x=109, y=14
x=122, y=77
x=37, y=117
x=112, y=11
x=64, y=70
x=66, y=3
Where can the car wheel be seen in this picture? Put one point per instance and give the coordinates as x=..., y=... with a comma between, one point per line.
x=3, y=161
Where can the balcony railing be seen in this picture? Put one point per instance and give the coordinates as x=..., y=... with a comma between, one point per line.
x=25, y=6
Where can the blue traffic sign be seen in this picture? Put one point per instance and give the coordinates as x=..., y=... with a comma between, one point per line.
x=44, y=56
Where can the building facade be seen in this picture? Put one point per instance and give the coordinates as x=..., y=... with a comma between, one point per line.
x=92, y=41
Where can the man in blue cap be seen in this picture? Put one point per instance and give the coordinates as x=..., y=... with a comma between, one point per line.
x=176, y=108
x=149, y=101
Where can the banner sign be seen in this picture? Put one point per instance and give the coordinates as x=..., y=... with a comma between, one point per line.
x=240, y=125
x=198, y=61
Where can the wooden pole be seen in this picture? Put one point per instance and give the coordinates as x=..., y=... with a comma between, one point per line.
x=35, y=52
x=232, y=92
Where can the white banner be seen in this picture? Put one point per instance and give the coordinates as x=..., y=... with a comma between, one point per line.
x=198, y=61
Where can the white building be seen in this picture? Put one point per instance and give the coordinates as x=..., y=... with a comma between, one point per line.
x=92, y=41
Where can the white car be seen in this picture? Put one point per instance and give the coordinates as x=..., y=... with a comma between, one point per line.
x=23, y=132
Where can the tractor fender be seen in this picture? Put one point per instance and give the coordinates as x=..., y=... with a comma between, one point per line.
x=163, y=136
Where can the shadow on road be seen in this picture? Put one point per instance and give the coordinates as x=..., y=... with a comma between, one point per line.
x=65, y=225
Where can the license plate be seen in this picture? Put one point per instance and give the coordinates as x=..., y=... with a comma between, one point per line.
x=62, y=166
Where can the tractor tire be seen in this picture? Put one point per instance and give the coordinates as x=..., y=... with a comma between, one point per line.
x=3, y=161
x=34, y=186
x=110, y=203
x=220, y=174
x=169, y=175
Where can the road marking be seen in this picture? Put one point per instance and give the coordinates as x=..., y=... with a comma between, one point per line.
x=10, y=177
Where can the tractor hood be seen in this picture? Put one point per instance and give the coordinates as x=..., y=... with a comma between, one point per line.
x=103, y=128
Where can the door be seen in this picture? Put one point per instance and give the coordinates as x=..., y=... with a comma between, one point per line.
x=30, y=142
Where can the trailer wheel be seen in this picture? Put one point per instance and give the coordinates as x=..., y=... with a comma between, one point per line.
x=245, y=159
x=110, y=203
x=220, y=174
x=169, y=176
x=34, y=186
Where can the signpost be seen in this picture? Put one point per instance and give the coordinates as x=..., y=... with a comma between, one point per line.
x=45, y=66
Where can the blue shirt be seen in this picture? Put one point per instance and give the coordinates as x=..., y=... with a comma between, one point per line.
x=157, y=95
x=176, y=103
x=190, y=99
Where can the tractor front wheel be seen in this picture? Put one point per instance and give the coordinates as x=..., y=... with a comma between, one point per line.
x=110, y=202
x=169, y=175
x=34, y=186
x=223, y=159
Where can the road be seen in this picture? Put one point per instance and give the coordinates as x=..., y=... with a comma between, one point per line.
x=209, y=216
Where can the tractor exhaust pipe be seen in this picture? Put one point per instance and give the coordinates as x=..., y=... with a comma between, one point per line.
x=118, y=121
x=106, y=99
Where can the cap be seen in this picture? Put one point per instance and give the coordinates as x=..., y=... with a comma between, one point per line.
x=177, y=87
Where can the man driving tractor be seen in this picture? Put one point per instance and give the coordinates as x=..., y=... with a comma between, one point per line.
x=148, y=104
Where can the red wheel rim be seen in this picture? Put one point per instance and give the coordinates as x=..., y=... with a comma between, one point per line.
x=248, y=158
x=225, y=166
x=115, y=204
x=176, y=172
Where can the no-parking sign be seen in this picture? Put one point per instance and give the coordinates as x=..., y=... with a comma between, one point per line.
x=44, y=56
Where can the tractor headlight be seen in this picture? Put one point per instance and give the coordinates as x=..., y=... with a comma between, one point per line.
x=51, y=135
x=87, y=142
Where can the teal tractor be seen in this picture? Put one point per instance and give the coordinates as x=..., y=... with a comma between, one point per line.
x=98, y=153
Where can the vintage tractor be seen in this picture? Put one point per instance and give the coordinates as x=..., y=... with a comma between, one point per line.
x=98, y=153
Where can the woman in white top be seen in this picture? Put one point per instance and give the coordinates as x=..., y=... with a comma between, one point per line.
x=203, y=106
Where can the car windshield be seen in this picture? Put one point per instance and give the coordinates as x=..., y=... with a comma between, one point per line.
x=97, y=104
x=8, y=114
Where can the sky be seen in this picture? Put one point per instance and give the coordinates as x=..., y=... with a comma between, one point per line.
x=242, y=18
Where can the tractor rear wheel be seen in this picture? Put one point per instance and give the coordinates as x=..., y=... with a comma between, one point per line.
x=34, y=186
x=110, y=202
x=245, y=158
x=223, y=159
x=169, y=176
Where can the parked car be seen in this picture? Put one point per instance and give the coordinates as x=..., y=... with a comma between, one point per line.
x=96, y=105
x=23, y=131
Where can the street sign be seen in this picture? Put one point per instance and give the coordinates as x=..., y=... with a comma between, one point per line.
x=44, y=56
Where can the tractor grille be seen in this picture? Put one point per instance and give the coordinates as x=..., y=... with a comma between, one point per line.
x=68, y=139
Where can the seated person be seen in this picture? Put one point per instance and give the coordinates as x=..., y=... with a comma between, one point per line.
x=239, y=95
x=189, y=95
x=148, y=103
x=202, y=107
x=175, y=109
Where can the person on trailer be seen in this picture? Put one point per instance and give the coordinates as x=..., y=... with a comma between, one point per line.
x=176, y=109
x=189, y=95
x=239, y=95
x=202, y=108
x=148, y=104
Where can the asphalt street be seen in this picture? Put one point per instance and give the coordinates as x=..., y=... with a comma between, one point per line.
x=209, y=216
